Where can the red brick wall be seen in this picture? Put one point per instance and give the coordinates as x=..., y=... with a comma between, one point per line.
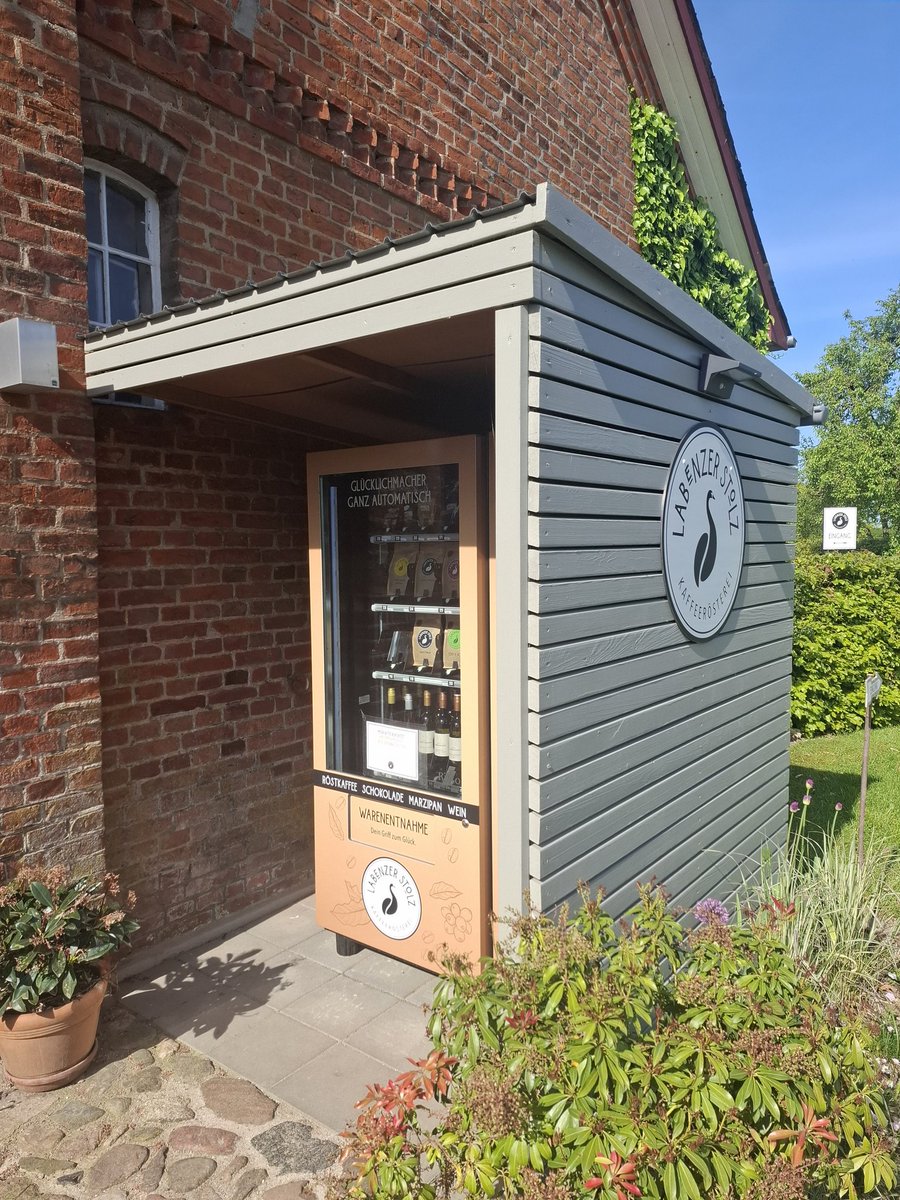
x=317, y=128
x=342, y=122
x=204, y=651
x=50, y=797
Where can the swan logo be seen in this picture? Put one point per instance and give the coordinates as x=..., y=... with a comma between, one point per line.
x=703, y=532
x=391, y=898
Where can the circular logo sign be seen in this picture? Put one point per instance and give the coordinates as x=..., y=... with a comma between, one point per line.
x=703, y=532
x=391, y=898
x=424, y=638
x=840, y=520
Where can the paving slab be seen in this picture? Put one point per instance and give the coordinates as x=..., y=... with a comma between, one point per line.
x=395, y=1036
x=328, y=1086
x=263, y=1045
x=287, y=928
x=388, y=974
x=320, y=947
x=340, y=1006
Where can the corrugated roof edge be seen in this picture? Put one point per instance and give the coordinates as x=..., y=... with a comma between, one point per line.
x=420, y=235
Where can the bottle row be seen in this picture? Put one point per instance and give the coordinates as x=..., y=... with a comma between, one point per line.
x=440, y=733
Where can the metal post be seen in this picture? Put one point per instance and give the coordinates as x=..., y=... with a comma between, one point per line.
x=873, y=686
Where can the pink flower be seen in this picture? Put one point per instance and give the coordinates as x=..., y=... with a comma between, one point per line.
x=838, y=806
x=807, y=799
x=711, y=912
x=809, y=785
x=794, y=806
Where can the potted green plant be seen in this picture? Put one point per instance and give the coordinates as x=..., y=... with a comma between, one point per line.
x=57, y=939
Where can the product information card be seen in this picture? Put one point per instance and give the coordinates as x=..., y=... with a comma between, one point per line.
x=392, y=750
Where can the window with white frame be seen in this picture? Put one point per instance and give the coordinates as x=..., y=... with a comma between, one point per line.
x=123, y=247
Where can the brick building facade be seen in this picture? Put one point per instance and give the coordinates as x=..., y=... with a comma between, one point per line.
x=154, y=635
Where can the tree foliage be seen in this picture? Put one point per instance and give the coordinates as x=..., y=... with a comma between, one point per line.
x=855, y=460
x=678, y=234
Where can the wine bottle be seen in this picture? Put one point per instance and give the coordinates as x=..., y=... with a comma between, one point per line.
x=455, y=745
x=426, y=739
x=408, y=718
x=441, y=742
x=390, y=707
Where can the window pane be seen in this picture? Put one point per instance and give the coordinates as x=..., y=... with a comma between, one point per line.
x=96, y=299
x=126, y=218
x=92, y=206
x=130, y=292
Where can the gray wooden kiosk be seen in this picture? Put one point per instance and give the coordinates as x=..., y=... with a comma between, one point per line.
x=626, y=743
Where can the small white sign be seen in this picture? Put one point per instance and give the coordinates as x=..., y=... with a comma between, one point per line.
x=839, y=529
x=873, y=687
x=703, y=532
x=392, y=750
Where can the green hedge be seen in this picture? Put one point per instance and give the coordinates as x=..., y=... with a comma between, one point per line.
x=846, y=623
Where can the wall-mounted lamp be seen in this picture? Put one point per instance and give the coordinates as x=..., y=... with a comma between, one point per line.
x=718, y=375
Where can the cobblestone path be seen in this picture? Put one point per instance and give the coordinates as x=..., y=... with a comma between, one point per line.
x=155, y=1119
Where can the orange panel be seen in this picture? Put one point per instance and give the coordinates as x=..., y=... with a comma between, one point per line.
x=402, y=849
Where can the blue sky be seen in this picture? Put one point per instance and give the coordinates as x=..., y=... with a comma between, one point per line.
x=810, y=89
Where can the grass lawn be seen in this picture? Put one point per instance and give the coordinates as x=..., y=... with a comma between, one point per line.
x=834, y=763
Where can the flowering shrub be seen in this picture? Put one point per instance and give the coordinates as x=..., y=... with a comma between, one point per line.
x=53, y=933
x=618, y=1061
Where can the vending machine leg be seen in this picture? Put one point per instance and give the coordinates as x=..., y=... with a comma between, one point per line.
x=346, y=946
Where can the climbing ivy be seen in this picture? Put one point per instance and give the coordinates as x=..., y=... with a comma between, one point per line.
x=678, y=234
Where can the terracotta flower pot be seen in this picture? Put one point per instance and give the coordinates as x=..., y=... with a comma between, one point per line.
x=46, y=1050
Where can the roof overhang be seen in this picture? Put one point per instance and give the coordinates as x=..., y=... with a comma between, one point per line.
x=349, y=322
x=689, y=92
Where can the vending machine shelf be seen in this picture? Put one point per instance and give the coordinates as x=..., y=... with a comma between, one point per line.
x=447, y=610
x=394, y=538
x=439, y=681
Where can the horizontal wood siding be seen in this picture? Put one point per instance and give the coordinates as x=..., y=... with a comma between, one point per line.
x=649, y=754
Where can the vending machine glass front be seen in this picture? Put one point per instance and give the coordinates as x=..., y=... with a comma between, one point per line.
x=392, y=632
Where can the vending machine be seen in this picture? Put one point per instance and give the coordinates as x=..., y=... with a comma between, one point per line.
x=398, y=577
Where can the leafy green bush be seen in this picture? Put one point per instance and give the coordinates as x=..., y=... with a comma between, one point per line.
x=846, y=623
x=678, y=234
x=632, y=1060
x=54, y=932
